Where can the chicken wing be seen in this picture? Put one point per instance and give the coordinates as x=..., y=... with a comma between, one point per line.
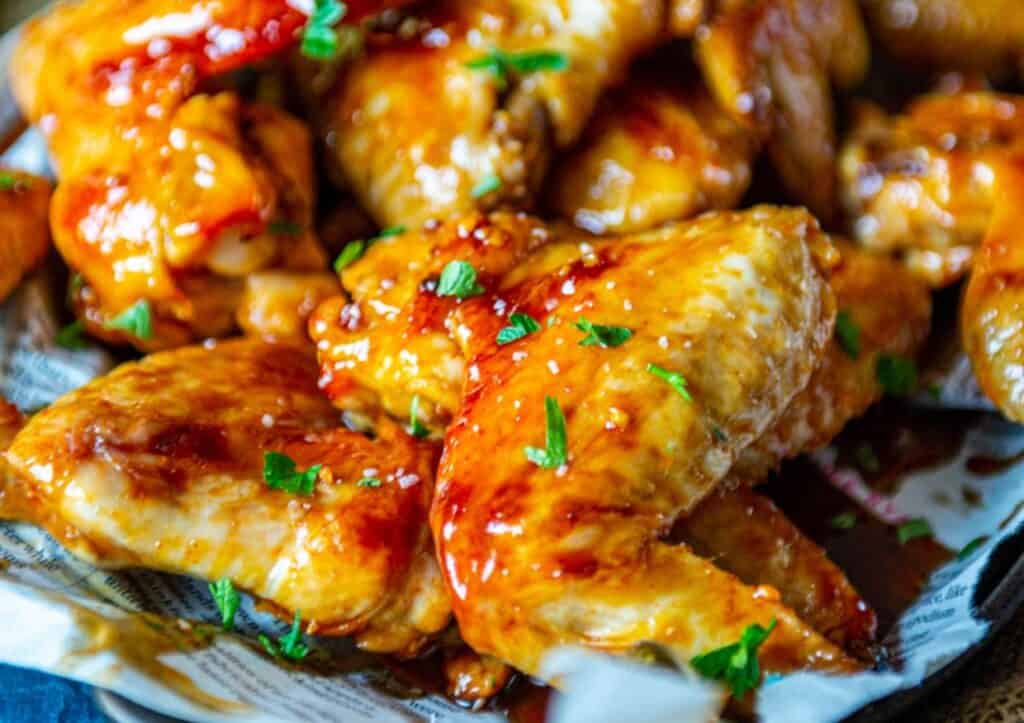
x=465, y=111
x=923, y=184
x=659, y=149
x=159, y=465
x=561, y=545
x=167, y=198
x=24, y=234
x=276, y=305
x=771, y=63
x=985, y=35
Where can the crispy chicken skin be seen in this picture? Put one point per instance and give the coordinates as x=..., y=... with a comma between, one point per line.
x=891, y=308
x=416, y=131
x=24, y=232
x=985, y=35
x=534, y=557
x=659, y=149
x=165, y=195
x=159, y=464
x=772, y=64
x=923, y=184
x=746, y=534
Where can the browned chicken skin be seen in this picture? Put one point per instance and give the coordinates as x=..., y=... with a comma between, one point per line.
x=535, y=558
x=159, y=465
x=165, y=196
x=24, y=232
x=659, y=149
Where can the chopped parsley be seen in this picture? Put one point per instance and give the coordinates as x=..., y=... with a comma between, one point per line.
x=913, y=529
x=320, y=37
x=369, y=482
x=227, y=600
x=10, y=182
x=736, y=664
x=416, y=427
x=289, y=646
x=284, y=227
x=137, y=320
x=866, y=459
x=280, y=474
x=848, y=334
x=354, y=250
x=501, y=64
x=71, y=336
x=458, y=279
x=896, y=374
x=604, y=336
x=970, y=548
x=488, y=184
x=557, y=452
x=845, y=521
x=519, y=325
x=719, y=434
x=677, y=380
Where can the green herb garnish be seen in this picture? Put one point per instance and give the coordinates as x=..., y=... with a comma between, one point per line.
x=458, y=279
x=913, y=529
x=71, y=336
x=227, y=600
x=866, y=459
x=896, y=374
x=604, y=336
x=284, y=227
x=416, y=427
x=848, y=334
x=280, y=473
x=369, y=482
x=845, y=521
x=10, y=182
x=501, y=64
x=354, y=250
x=137, y=320
x=736, y=664
x=969, y=549
x=719, y=434
x=520, y=325
x=320, y=37
x=488, y=184
x=557, y=452
x=289, y=646
x=678, y=381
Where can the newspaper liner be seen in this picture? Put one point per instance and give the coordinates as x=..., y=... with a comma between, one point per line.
x=152, y=638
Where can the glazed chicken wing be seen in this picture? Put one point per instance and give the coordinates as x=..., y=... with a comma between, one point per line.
x=159, y=464
x=659, y=149
x=24, y=234
x=772, y=64
x=466, y=110
x=168, y=198
x=561, y=545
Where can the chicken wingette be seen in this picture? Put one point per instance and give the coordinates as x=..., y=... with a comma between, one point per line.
x=162, y=464
x=24, y=229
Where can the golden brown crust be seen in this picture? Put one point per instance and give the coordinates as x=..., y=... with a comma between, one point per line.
x=24, y=230
x=159, y=464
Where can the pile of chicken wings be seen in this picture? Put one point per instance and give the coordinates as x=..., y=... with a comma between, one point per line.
x=473, y=313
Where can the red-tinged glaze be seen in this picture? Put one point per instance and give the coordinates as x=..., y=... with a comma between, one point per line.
x=159, y=464
x=536, y=558
x=158, y=184
x=24, y=231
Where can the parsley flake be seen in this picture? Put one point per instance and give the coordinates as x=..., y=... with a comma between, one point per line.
x=280, y=473
x=71, y=336
x=896, y=374
x=557, y=452
x=603, y=336
x=501, y=64
x=736, y=664
x=10, y=182
x=458, y=279
x=320, y=38
x=520, y=325
x=675, y=379
x=137, y=320
x=289, y=646
x=970, y=548
x=416, y=428
x=845, y=521
x=227, y=600
x=354, y=250
x=284, y=227
x=369, y=482
x=848, y=334
x=913, y=529
x=866, y=459
x=488, y=184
